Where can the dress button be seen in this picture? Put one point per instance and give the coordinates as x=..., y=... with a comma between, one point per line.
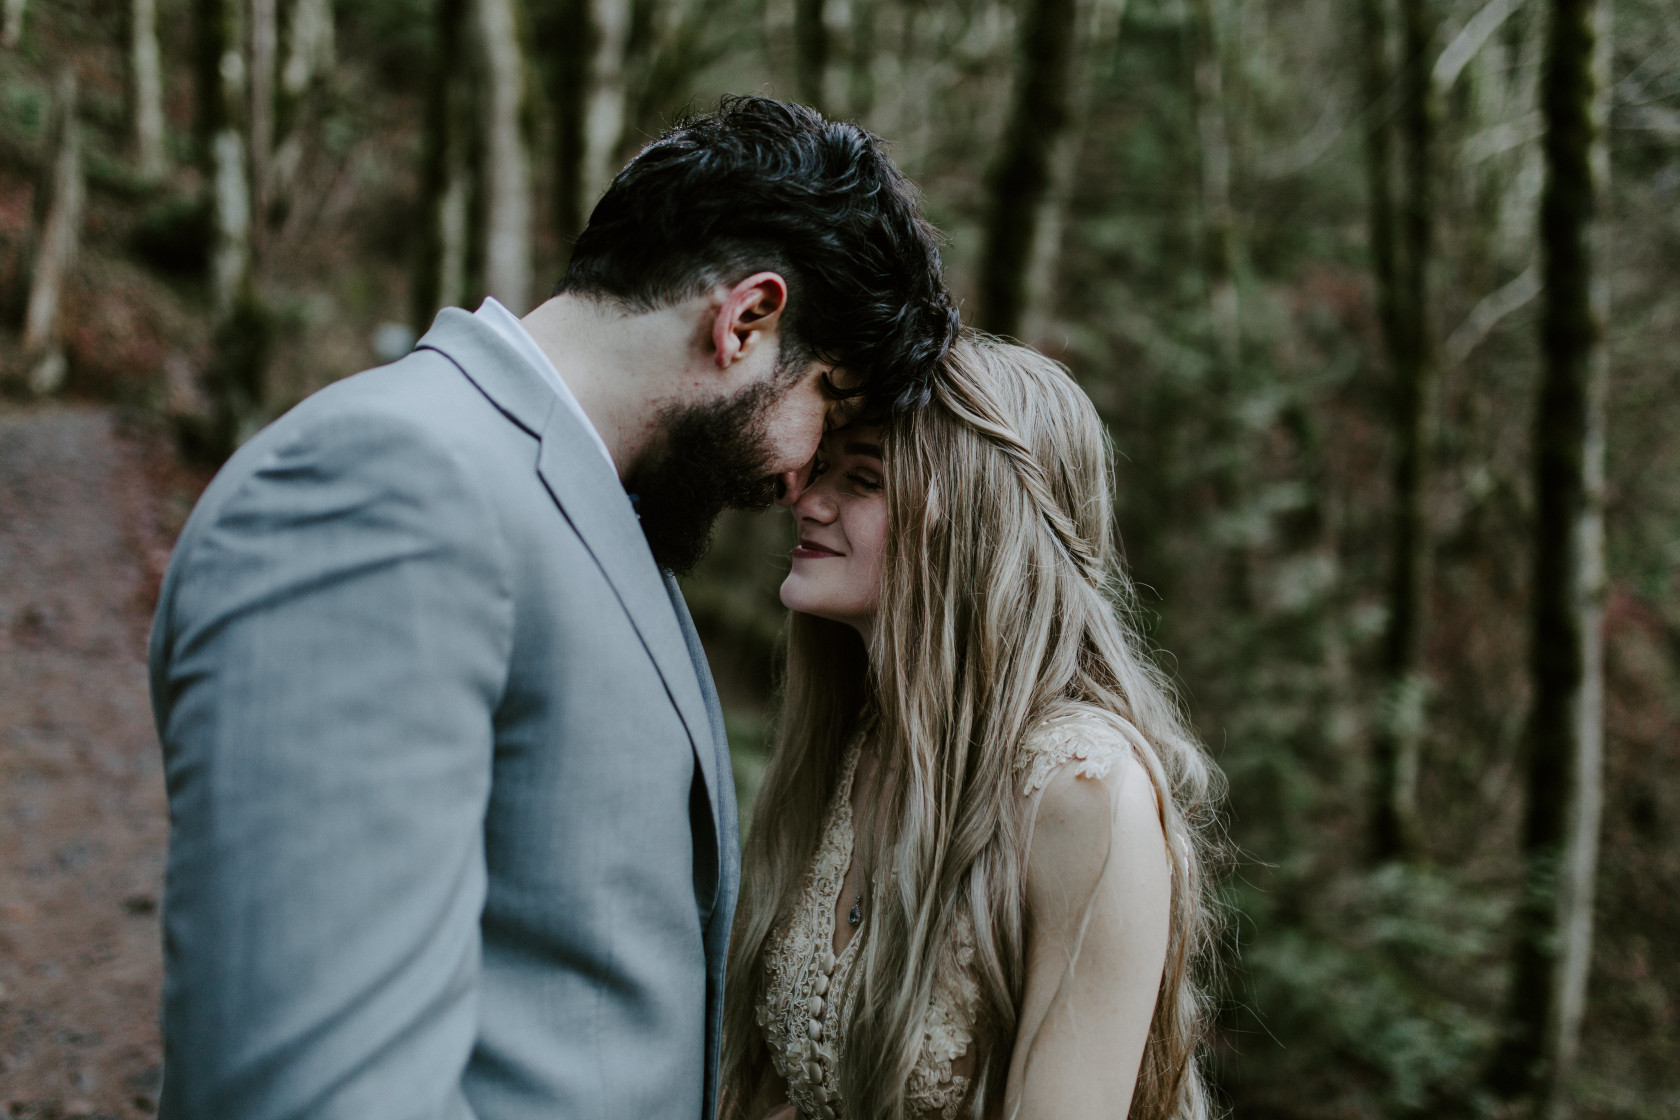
x=821, y=986
x=815, y=1031
x=827, y=1112
x=814, y=1072
x=814, y=1007
x=826, y=963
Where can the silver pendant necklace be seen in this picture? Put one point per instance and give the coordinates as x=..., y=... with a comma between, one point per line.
x=855, y=914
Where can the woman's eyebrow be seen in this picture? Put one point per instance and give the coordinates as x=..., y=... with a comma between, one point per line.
x=871, y=449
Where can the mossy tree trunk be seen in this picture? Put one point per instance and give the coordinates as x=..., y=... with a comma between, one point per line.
x=565, y=40
x=1096, y=28
x=226, y=169
x=812, y=50
x=11, y=24
x=1564, y=779
x=145, y=63
x=669, y=43
x=1021, y=179
x=242, y=336
x=445, y=184
x=585, y=43
x=1402, y=259
x=61, y=218
x=604, y=111
x=861, y=56
x=508, y=212
x=310, y=46
x=1219, y=233
x=264, y=51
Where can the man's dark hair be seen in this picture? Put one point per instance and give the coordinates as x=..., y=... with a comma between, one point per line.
x=760, y=184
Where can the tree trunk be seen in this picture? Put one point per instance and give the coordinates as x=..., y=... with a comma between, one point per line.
x=227, y=169
x=668, y=45
x=439, y=265
x=507, y=167
x=310, y=51
x=1021, y=179
x=1400, y=722
x=1565, y=787
x=56, y=250
x=605, y=109
x=1219, y=270
x=649, y=29
x=861, y=58
x=1218, y=223
x=265, y=49
x=566, y=37
x=208, y=34
x=309, y=56
x=1099, y=22
x=811, y=49
x=1377, y=75
x=11, y=26
x=242, y=335
x=146, y=78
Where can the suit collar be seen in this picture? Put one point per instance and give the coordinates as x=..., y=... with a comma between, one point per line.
x=590, y=496
x=492, y=363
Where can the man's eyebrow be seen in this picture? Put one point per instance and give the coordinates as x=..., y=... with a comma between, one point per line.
x=873, y=449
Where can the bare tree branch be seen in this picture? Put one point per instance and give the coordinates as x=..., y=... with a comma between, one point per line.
x=1487, y=314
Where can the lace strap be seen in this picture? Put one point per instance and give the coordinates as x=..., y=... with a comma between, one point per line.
x=1096, y=741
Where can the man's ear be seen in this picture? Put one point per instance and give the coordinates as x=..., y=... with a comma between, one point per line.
x=751, y=313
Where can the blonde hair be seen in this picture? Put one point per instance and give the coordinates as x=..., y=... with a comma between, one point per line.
x=1003, y=602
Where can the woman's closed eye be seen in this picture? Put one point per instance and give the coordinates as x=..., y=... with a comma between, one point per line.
x=863, y=481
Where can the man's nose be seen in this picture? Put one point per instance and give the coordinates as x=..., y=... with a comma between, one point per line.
x=791, y=484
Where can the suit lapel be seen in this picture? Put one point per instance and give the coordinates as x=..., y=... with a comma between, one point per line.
x=591, y=498
x=589, y=495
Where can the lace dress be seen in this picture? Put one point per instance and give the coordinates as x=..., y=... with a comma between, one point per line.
x=802, y=1012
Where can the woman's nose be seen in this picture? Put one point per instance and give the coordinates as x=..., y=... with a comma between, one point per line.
x=815, y=504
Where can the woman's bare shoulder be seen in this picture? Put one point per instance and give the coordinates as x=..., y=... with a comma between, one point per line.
x=1093, y=802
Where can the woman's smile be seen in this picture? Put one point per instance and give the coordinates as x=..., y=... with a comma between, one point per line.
x=811, y=550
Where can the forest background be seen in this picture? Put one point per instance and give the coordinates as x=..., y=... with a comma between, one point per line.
x=1293, y=249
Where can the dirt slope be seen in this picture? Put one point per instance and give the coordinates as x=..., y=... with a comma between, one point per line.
x=82, y=815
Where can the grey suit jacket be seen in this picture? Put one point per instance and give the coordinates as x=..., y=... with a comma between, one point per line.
x=453, y=823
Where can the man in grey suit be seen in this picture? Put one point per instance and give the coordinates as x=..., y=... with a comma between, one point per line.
x=453, y=827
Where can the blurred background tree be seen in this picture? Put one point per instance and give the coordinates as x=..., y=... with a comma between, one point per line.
x=1378, y=298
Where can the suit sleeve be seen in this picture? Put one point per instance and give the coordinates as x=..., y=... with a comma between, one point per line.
x=334, y=643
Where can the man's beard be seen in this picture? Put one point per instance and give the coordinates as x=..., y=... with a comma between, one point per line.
x=715, y=458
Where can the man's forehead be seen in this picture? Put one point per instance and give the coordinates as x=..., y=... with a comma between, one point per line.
x=843, y=412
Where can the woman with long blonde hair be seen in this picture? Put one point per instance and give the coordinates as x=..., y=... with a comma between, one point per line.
x=974, y=880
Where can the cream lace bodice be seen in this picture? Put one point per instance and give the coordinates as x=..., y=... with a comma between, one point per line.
x=802, y=1012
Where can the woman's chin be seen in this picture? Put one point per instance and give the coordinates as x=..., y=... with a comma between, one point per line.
x=796, y=596
x=789, y=593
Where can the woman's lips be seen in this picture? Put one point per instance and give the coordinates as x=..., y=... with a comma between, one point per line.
x=809, y=550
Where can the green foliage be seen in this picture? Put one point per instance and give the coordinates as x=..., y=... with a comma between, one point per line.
x=1378, y=994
